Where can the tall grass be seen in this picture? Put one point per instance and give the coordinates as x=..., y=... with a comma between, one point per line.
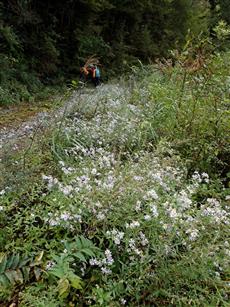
x=135, y=213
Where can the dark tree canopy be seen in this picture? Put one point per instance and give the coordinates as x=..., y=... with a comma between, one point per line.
x=52, y=38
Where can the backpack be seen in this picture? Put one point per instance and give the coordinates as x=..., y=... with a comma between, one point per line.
x=97, y=73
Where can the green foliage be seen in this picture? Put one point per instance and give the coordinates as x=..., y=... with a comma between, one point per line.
x=133, y=204
x=50, y=41
x=81, y=249
x=67, y=277
x=125, y=208
x=11, y=42
x=90, y=43
x=17, y=269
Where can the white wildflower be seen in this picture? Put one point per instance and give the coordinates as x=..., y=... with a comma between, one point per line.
x=133, y=224
x=65, y=216
x=123, y=301
x=152, y=194
x=53, y=222
x=100, y=216
x=138, y=206
x=109, y=258
x=205, y=177
x=154, y=210
x=131, y=243
x=138, y=178
x=144, y=240
x=93, y=261
x=94, y=171
x=49, y=265
x=193, y=234
x=106, y=271
x=2, y=192
x=183, y=200
x=147, y=217
x=173, y=213
x=196, y=177
x=116, y=236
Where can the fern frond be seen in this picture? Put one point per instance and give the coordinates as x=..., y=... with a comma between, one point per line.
x=16, y=269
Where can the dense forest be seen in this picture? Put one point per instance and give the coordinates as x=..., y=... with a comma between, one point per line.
x=45, y=42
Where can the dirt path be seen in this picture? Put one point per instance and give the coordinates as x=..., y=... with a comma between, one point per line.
x=20, y=125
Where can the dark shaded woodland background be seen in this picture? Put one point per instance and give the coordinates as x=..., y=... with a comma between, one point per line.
x=45, y=42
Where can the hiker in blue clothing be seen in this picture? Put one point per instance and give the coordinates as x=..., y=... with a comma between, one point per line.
x=97, y=76
x=90, y=71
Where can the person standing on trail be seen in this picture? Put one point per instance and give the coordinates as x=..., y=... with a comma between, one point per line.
x=95, y=71
x=90, y=70
x=97, y=76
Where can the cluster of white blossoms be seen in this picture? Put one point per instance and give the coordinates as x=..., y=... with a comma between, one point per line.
x=125, y=193
x=151, y=194
x=104, y=263
x=65, y=218
x=115, y=235
x=133, y=249
x=132, y=225
x=2, y=192
x=213, y=209
x=199, y=178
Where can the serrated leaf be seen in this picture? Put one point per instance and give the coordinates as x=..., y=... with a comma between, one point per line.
x=80, y=256
x=78, y=243
x=88, y=252
x=86, y=242
x=63, y=287
x=57, y=271
x=76, y=281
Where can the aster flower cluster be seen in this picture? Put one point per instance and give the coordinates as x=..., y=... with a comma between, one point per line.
x=139, y=204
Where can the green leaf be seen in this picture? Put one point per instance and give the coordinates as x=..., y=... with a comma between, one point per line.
x=76, y=281
x=89, y=252
x=19, y=276
x=26, y=273
x=4, y=280
x=23, y=262
x=57, y=271
x=37, y=273
x=15, y=261
x=39, y=258
x=63, y=287
x=10, y=261
x=3, y=264
x=80, y=256
x=11, y=275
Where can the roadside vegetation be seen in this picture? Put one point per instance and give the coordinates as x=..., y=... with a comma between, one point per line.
x=127, y=201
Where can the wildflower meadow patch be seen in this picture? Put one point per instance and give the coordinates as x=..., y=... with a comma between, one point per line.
x=124, y=220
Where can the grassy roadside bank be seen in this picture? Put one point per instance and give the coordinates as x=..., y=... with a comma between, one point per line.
x=128, y=207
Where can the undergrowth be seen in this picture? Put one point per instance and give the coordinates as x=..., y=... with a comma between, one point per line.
x=132, y=206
